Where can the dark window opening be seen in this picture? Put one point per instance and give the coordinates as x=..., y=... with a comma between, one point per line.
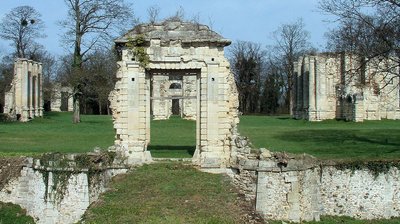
x=175, y=86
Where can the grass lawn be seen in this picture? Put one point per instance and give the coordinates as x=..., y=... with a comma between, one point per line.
x=173, y=138
x=10, y=213
x=176, y=137
x=168, y=193
x=56, y=133
x=327, y=139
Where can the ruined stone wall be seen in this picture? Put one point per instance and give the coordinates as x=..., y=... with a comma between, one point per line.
x=161, y=108
x=304, y=190
x=185, y=52
x=189, y=106
x=329, y=86
x=49, y=198
x=24, y=101
x=162, y=94
x=57, y=95
x=360, y=194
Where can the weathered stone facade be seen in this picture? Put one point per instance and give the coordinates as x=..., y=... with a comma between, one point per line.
x=303, y=189
x=47, y=197
x=24, y=101
x=185, y=49
x=173, y=94
x=61, y=98
x=340, y=86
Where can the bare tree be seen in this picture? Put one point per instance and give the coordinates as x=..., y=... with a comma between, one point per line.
x=370, y=29
x=49, y=65
x=22, y=25
x=247, y=61
x=6, y=77
x=91, y=24
x=178, y=16
x=102, y=68
x=291, y=40
x=153, y=13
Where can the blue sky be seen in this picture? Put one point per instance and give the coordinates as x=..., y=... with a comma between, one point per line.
x=251, y=20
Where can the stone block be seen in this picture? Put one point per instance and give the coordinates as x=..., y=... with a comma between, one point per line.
x=267, y=165
x=290, y=179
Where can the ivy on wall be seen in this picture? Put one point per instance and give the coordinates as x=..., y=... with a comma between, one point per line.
x=374, y=167
x=136, y=45
x=63, y=167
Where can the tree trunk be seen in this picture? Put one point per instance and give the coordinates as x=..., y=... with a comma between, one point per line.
x=100, y=107
x=76, y=118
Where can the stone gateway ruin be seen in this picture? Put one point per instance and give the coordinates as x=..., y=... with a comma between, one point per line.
x=24, y=100
x=175, y=68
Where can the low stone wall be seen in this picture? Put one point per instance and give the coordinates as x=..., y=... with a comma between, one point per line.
x=303, y=189
x=55, y=195
x=360, y=193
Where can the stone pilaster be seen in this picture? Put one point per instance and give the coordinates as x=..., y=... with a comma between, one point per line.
x=311, y=90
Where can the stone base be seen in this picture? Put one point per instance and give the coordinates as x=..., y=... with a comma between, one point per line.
x=24, y=116
x=196, y=157
x=212, y=160
x=135, y=158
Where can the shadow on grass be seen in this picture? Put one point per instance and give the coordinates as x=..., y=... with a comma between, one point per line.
x=49, y=114
x=92, y=122
x=285, y=118
x=184, y=149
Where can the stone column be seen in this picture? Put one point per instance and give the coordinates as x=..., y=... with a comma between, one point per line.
x=311, y=90
x=199, y=124
x=299, y=95
x=358, y=108
x=25, y=89
x=295, y=89
x=148, y=115
x=136, y=142
x=306, y=74
x=35, y=96
x=211, y=154
x=31, y=91
x=40, y=91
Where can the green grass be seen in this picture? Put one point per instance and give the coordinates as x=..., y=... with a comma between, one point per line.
x=167, y=193
x=172, y=138
x=327, y=139
x=55, y=132
x=346, y=220
x=13, y=214
x=176, y=137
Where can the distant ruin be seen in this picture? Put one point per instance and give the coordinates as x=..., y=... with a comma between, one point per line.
x=24, y=100
x=175, y=67
x=173, y=94
x=340, y=86
x=61, y=98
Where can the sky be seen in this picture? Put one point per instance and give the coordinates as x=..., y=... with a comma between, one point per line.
x=251, y=20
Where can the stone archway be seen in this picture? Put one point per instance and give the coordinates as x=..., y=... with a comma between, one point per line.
x=186, y=48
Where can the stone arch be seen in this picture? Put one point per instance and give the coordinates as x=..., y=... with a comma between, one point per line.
x=197, y=54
